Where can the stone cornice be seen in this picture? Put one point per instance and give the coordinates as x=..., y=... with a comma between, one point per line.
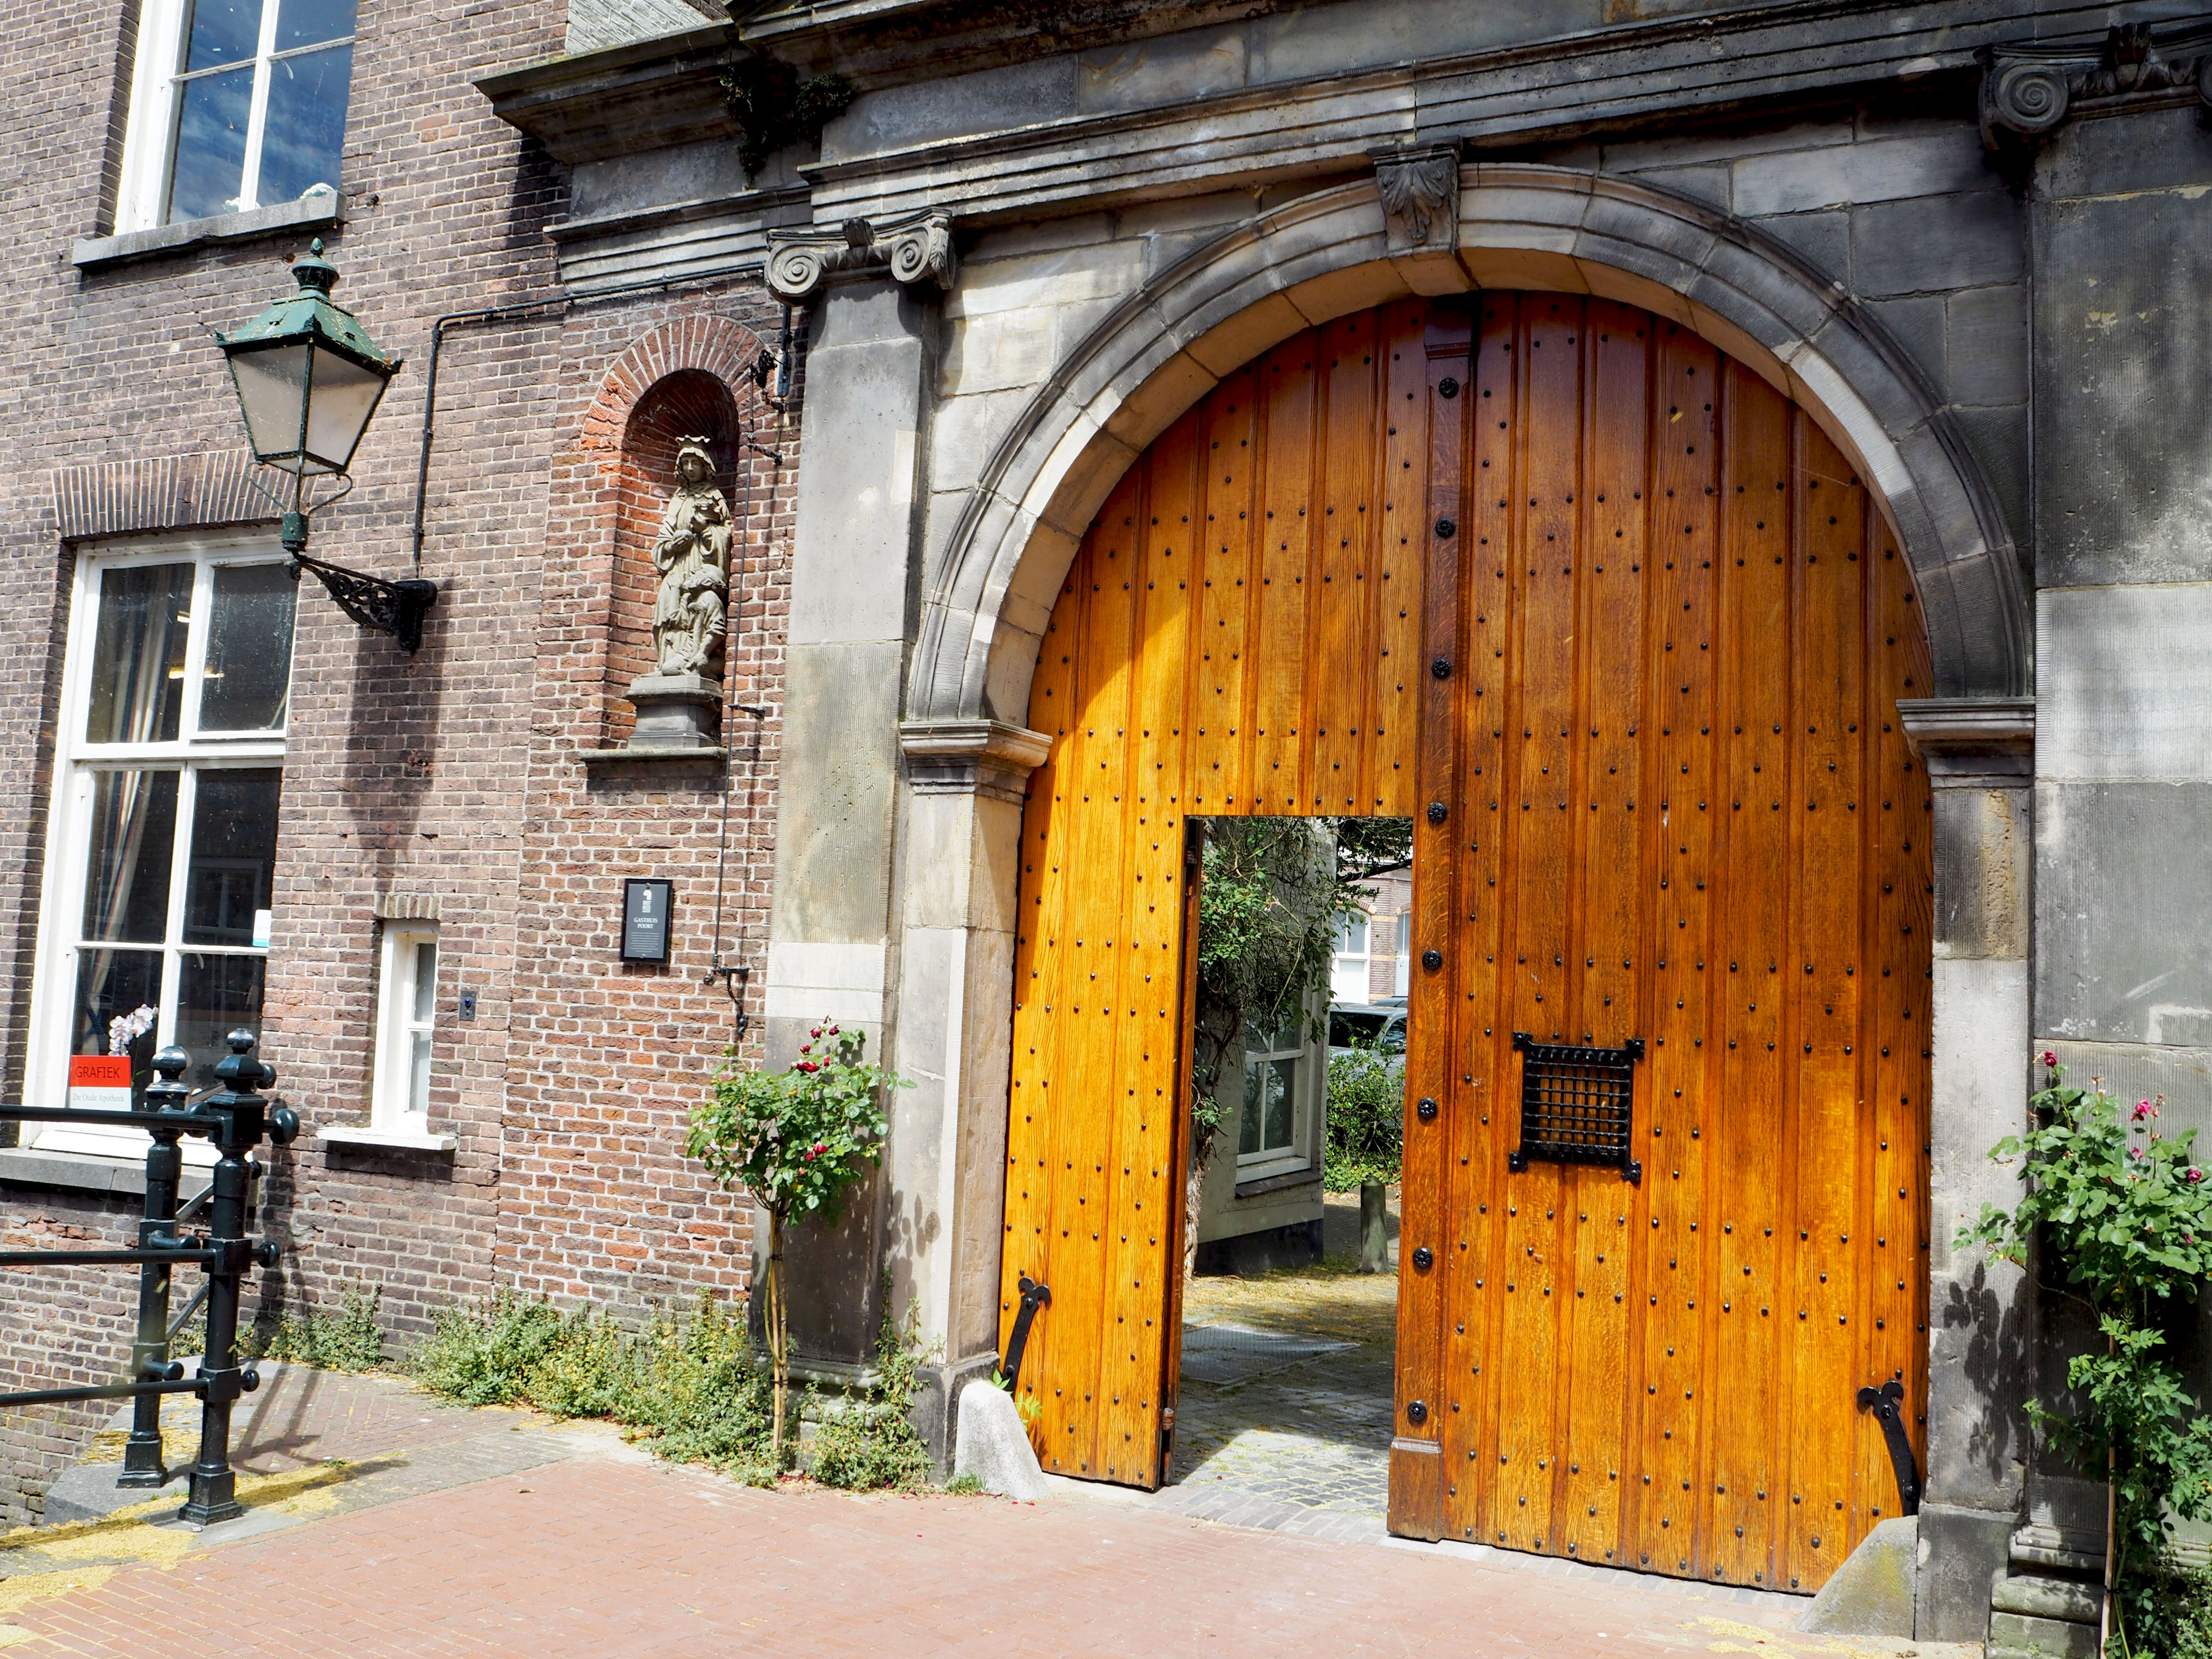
x=2026, y=90
x=971, y=756
x=1984, y=742
x=914, y=249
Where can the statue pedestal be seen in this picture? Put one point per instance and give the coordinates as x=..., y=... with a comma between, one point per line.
x=674, y=711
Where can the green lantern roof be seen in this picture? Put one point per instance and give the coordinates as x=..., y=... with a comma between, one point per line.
x=311, y=313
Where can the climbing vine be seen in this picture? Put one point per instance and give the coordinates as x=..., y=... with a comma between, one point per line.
x=774, y=109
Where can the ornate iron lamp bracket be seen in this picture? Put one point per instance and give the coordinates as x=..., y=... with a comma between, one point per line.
x=393, y=608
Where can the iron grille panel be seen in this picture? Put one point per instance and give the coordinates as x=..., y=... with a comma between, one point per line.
x=1578, y=1104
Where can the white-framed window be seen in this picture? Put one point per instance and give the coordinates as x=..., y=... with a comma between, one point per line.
x=406, y=1010
x=1348, y=968
x=156, y=906
x=234, y=105
x=1272, y=1119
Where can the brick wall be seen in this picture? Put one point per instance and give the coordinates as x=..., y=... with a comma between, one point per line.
x=453, y=774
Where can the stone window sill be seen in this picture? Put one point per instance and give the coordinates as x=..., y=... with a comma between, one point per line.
x=100, y=253
x=1253, y=1187
x=85, y=1172
x=408, y=1140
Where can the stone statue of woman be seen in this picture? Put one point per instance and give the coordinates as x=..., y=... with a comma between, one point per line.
x=693, y=558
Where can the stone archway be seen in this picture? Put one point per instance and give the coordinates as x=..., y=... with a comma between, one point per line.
x=1518, y=226
x=989, y=594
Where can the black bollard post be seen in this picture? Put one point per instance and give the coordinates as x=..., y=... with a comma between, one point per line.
x=241, y=1109
x=149, y=1353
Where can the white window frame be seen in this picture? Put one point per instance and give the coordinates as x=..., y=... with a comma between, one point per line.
x=68, y=822
x=1308, y=1077
x=392, y=1120
x=151, y=135
x=1344, y=964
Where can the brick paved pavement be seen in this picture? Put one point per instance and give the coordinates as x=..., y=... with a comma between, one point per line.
x=383, y=1523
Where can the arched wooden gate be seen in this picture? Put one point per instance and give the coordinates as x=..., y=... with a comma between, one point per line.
x=1616, y=624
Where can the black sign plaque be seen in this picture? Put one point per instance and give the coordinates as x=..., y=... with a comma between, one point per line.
x=645, y=919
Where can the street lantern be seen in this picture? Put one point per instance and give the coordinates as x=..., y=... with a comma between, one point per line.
x=309, y=379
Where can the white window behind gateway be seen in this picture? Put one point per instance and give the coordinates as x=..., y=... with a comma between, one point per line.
x=155, y=910
x=234, y=105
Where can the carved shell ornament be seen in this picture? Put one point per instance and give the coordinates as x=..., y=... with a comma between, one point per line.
x=1416, y=188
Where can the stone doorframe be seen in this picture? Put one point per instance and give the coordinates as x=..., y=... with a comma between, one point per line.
x=1427, y=225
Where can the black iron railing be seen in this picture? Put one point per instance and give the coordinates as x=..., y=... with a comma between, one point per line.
x=236, y=1118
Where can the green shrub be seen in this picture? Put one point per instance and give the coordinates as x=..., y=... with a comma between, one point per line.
x=488, y=1355
x=871, y=1444
x=1366, y=1121
x=348, y=1340
x=2172, y=1618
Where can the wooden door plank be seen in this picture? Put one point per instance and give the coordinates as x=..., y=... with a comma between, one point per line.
x=1344, y=520
x=1401, y=558
x=1542, y=754
x=1417, y=1478
x=1218, y=768
x=1827, y=891
x=1693, y=845
x=1607, y=1004
x=1485, y=1104
x=1276, y=691
x=1086, y=1114
x=1047, y=838
x=1145, y=1254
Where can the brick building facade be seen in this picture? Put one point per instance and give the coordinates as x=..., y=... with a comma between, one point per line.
x=448, y=788
x=1965, y=241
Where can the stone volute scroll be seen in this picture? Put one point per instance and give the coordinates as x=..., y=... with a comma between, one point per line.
x=2028, y=90
x=676, y=702
x=914, y=249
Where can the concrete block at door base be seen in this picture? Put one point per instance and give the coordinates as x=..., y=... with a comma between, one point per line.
x=994, y=1447
x=1872, y=1593
x=2019, y=1635
x=1963, y=1552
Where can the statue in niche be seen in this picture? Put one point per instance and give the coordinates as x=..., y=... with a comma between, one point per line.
x=692, y=555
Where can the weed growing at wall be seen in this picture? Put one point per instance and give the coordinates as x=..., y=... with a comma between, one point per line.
x=2123, y=1216
x=871, y=1444
x=347, y=1340
x=691, y=1390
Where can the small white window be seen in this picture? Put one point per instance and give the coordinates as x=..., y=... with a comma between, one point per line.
x=1348, y=969
x=406, y=1011
x=234, y=105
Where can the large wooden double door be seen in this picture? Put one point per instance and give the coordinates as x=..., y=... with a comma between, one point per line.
x=1619, y=629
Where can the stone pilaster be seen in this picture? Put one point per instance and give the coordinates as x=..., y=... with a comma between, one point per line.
x=870, y=367
x=1981, y=1325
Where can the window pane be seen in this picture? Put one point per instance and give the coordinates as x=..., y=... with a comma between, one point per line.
x=134, y=826
x=1247, y=1123
x=113, y=985
x=305, y=125
x=303, y=22
x=426, y=982
x=418, y=1075
x=1281, y=1073
x=249, y=649
x=233, y=856
x=222, y=32
x=138, y=655
x=210, y=165
x=1352, y=935
x=215, y=995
